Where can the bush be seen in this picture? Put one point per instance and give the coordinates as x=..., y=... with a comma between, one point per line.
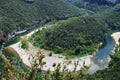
x=25, y=44
x=77, y=50
x=58, y=49
x=54, y=64
x=50, y=54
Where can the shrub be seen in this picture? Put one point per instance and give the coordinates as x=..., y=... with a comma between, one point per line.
x=25, y=44
x=77, y=50
x=50, y=54
x=54, y=64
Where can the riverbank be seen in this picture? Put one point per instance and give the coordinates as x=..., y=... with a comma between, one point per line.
x=116, y=37
x=26, y=56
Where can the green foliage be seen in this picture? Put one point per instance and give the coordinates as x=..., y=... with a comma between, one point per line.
x=86, y=32
x=75, y=36
x=25, y=44
x=94, y=5
x=77, y=50
x=113, y=18
x=8, y=70
x=17, y=14
x=65, y=36
x=54, y=64
x=11, y=71
x=50, y=54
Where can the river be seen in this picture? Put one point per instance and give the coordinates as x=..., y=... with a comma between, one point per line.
x=100, y=59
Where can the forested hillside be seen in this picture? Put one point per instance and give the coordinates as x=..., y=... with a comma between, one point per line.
x=112, y=17
x=18, y=14
x=78, y=35
x=94, y=5
x=74, y=36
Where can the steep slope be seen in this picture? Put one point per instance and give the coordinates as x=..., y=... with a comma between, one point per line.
x=17, y=14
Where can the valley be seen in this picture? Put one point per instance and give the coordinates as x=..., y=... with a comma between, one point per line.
x=50, y=60
x=55, y=58
x=59, y=40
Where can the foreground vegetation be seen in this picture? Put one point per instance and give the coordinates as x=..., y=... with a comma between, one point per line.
x=11, y=71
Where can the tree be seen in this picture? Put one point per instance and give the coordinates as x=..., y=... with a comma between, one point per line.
x=77, y=50
x=25, y=44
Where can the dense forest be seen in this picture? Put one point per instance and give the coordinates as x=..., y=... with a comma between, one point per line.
x=73, y=36
x=78, y=35
x=111, y=17
x=94, y=5
x=75, y=33
x=15, y=15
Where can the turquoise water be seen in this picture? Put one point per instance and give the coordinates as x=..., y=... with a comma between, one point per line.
x=102, y=57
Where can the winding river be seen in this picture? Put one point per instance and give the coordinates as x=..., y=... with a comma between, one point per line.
x=100, y=59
